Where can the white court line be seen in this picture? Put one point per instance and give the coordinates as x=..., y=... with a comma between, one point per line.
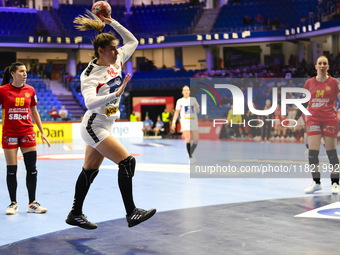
x=74, y=147
x=163, y=168
x=156, y=144
x=189, y=233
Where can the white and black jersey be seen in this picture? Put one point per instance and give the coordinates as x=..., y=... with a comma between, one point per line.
x=98, y=84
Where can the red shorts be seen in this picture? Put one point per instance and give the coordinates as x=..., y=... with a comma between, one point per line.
x=13, y=141
x=326, y=128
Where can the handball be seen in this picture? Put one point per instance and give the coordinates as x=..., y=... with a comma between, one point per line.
x=101, y=8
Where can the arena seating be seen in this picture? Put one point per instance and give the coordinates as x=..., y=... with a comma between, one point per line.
x=66, y=14
x=161, y=79
x=290, y=13
x=163, y=19
x=46, y=99
x=175, y=19
x=13, y=23
x=151, y=20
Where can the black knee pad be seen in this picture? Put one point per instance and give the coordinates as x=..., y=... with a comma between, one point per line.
x=30, y=159
x=12, y=173
x=333, y=157
x=31, y=175
x=90, y=174
x=313, y=157
x=127, y=167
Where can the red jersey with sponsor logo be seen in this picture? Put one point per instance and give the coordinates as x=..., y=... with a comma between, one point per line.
x=322, y=104
x=16, y=114
x=278, y=114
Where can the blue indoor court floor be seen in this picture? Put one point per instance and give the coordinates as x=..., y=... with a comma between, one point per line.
x=249, y=214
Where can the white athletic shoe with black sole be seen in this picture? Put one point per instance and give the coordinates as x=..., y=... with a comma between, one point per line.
x=80, y=221
x=138, y=216
x=335, y=188
x=312, y=188
x=12, y=209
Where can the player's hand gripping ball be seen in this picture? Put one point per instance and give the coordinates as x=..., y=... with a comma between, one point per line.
x=101, y=8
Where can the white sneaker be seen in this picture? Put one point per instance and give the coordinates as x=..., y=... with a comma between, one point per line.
x=192, y=160
x=335, y=188
x=306, y=151
x=312, y=188
x=35, y=207
x=12, y=209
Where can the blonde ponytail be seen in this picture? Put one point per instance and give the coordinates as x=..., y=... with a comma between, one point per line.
x=89, y=21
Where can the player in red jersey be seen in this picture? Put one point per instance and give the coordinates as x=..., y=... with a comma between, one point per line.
x=279, y=129
x=322, y=123
x=18, y=103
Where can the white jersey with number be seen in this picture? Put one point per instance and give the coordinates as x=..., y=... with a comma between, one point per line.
x=188, y=113
x=98, y=84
